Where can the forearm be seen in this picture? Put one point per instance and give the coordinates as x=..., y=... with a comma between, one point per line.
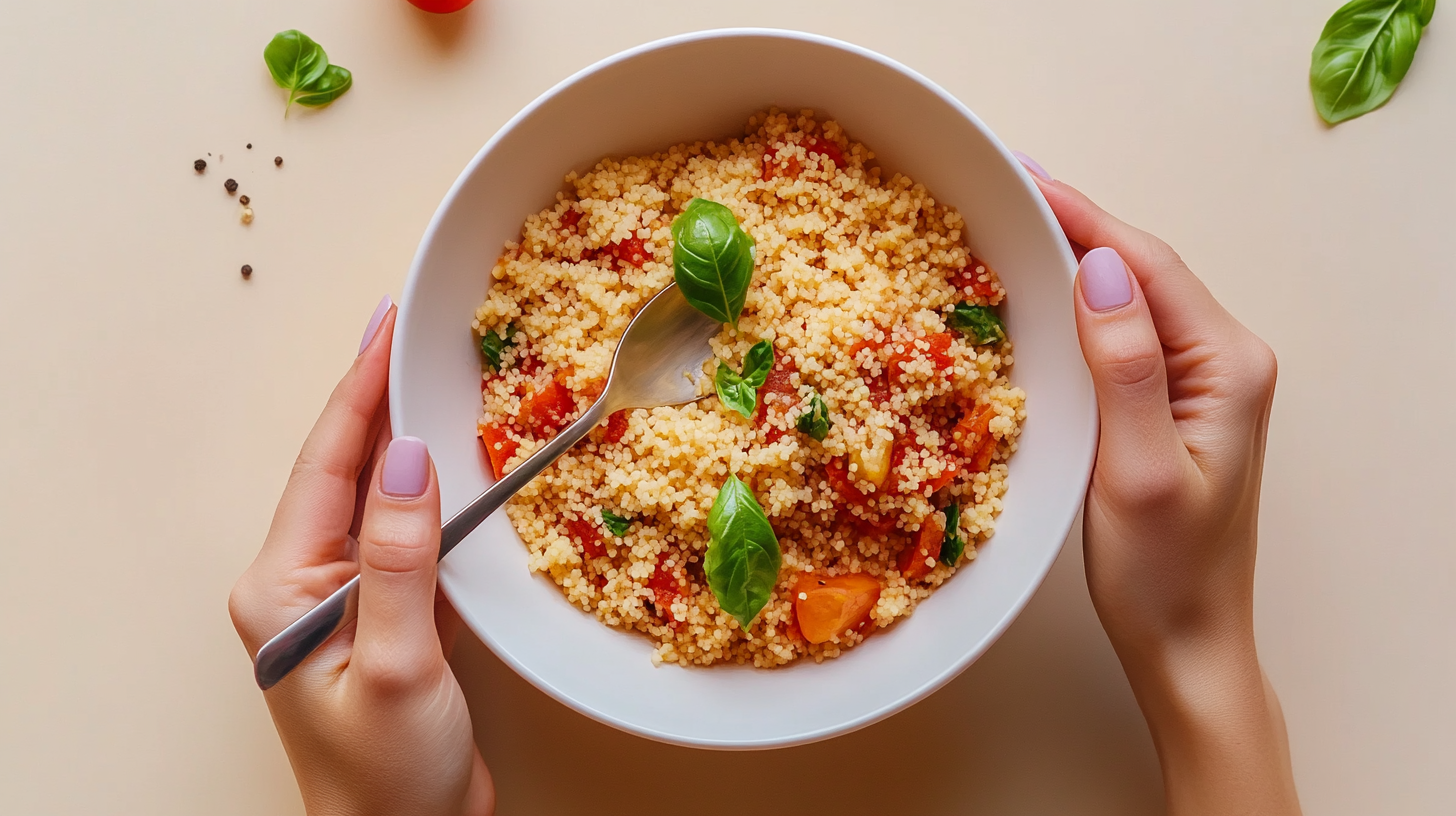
x=1217, y=726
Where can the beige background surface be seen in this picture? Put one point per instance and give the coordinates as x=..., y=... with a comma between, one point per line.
x=153, y=401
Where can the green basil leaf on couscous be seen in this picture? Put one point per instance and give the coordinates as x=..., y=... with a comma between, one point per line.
x=952, y=546
x=743, y=558
x=977, y=322
x=814, y=422
x=740, y=391
x=712, y=259
x=615, y=524
x=492, y=343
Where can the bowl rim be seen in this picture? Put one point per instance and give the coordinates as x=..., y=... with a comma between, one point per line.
x=400, y=352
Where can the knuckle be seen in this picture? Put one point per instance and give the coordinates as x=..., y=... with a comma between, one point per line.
x=239, y=603
x=1152, y=487
x=395, y=553
x=1132, y=364
x=387, y=673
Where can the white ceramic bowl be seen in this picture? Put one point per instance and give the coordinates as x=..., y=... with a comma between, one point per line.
x=704, y=86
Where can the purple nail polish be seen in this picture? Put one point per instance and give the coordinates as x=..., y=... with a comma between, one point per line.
x=406, y=468
x=1030, y=163
x=1104, y=280
x=379, y=312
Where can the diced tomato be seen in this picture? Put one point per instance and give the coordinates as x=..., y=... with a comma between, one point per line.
x=826, y=606
x=938, y=353
x=586, y=534
x=837, y=472
x=630, y=251
x=776, y=397
x=823, y=147
x=918, y=558
x=571, y=218
x=952, y=467
x=616, y=427
x=874, y=525
x=547, y=409
x=530, y=365
x=666, y=589
x=981, y=460
x=973, y=438
x=969, y=282
x=499, y=446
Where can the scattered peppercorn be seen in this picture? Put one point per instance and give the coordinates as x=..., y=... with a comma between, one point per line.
x=277, y=161
x=231, y=185
x=243, y=200
x=247, y=215
x=250, y=145
x=247, y=270
x=199, y=165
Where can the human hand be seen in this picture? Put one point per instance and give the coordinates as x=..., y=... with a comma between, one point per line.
x=373, y=721
x=1171, y=520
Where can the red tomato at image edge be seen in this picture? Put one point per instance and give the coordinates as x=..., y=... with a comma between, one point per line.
x=439, y=6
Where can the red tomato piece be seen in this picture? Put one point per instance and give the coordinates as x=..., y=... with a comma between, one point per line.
x=570, y=219
x=630, y=251
x=918, y=558
x=547, y=409
x=938, y=353
x=586, y=534
x=776, y=397
x=499, y=446
x=971, y=434
x=826, y=606
x=667, y=589
x=952, y=468
x=823, y=147
x=837, y=473
x=616, y=427
x=968, y=280
x=440, y=6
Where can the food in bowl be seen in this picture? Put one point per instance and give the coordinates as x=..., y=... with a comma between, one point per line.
x=869, y=349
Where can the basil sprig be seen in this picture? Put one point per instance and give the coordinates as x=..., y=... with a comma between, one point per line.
x=814, y=422
x=615, y=524
x=1363, y=53
x=492, y=343
x=978, y=322
x=740, y=391
x=712, y=259
x=952, y=546
x=743, y=558
x=300, y=66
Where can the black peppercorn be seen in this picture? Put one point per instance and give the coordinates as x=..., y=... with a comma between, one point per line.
x=199, y=165
x=247, y=270
x=231, y=185
x=243, y=201
x=277, y=161
x=250, y=145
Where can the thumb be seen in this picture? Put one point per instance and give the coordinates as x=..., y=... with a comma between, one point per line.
x=399, y=544
x=1121, y=346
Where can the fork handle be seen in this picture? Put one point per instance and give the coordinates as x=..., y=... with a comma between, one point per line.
x=299, y=639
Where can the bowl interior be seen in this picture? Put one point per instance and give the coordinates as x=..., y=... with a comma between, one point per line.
x=700, y=87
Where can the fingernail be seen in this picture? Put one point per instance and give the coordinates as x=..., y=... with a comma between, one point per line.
x=406, y=468
x=1030, y=163
x=1104, y=277
x=369, y=331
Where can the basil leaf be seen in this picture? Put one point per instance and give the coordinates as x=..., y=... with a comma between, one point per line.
x=743, y=559
x=740, y=391
x=615, y=524
x=979, y=322
x=493, y=343
x=1363, y=53
x=294, y=60
x=814, y=422
x=712, y=259
x=952, y=546
x=328, y=87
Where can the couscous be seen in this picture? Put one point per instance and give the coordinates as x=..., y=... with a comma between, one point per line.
x=877, y=442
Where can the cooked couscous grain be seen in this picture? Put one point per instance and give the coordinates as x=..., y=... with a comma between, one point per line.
x=853, y=278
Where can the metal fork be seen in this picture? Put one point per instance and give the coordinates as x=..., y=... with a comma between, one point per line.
x=659, y=362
